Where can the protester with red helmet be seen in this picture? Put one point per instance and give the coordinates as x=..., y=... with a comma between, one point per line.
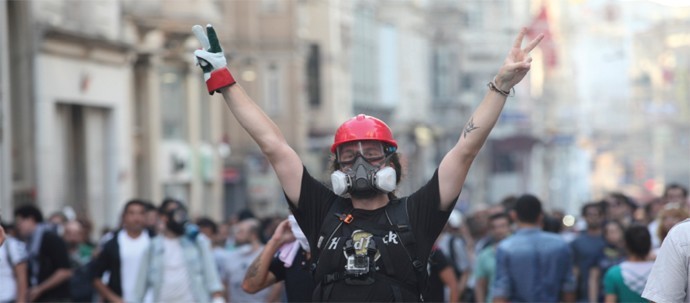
x=368, y=245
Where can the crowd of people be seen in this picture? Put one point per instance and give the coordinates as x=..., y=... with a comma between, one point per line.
x=512, y=251
x=155, y=254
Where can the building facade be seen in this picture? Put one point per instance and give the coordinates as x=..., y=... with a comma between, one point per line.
x=106, y=105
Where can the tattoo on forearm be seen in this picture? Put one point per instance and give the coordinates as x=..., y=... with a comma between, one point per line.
x=253, y=269
x=469, y=127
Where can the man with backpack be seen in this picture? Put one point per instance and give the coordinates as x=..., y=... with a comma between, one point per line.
x=122, y=255
x=367, y=244
x=49, y=267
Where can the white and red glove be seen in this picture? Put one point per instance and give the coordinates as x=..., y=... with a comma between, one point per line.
x=211, y=59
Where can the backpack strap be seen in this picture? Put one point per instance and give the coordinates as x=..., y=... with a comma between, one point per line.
x=338, y=213
x=399, y=217
x=34, y=249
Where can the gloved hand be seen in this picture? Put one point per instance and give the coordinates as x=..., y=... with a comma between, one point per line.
x=211, y=59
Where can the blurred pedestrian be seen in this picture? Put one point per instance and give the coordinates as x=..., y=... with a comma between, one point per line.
x=286, y=258
x=57, y=222
x=614, y=253
x=620, y=207
x=552, y=224
x=13, y=269
x=151, y=222
x=49, y=266
x=676, y=193
x=626, y=281
x=672, y=214
x=668, y=280
x=228, y=230
x=454, y=249
x=249, y=247
x=587, y=248
x=485, y=269
x=268, y=226
x=441, y=276
x=533, y=265
x=178, y=265
x=80, y=252
x=210, y=229
x=486, y=240
x=673, y=194
x=122, y=256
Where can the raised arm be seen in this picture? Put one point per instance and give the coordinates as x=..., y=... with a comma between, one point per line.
x=283, y=158
x=258, y=275
x=456, y=163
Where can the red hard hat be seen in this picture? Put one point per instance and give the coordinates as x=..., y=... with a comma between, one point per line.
x=363, y=127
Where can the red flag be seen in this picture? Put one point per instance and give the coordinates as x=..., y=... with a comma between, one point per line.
x=540, y=25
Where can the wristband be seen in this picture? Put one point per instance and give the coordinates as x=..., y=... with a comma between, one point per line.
x=219, y=78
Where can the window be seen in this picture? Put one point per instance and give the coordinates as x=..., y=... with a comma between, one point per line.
x=364, y=66
x=314, y=76
x=388, y=68
x=273, y=89
x=466, y=83
x=441, y=73
x=271, y=6
x=173, y=103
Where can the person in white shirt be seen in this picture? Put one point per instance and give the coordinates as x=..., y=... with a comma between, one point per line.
x=13, y=269
x=210, y=229
x=673, y=194
x=178, y=265
x=122, y=255
x=669, y=280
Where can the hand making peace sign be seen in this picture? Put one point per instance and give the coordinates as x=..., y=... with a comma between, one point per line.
x=517, y=63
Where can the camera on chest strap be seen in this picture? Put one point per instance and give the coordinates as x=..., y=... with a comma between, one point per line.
x=361, y=264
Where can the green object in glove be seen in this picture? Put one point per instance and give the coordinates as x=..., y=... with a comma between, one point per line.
x=212, y=60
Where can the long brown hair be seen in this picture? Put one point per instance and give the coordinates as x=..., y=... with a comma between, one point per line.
x=670, y=210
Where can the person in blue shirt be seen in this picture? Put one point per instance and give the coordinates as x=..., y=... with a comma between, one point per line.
x=587, y=249
x=533, y=265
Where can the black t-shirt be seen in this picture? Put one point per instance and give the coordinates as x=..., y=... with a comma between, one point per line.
x=426, y=221
x=299, y=283
x=109, y=260
x=52, y=256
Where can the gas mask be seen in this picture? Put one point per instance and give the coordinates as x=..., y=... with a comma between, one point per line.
x=364, y=180
x=178, y=220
